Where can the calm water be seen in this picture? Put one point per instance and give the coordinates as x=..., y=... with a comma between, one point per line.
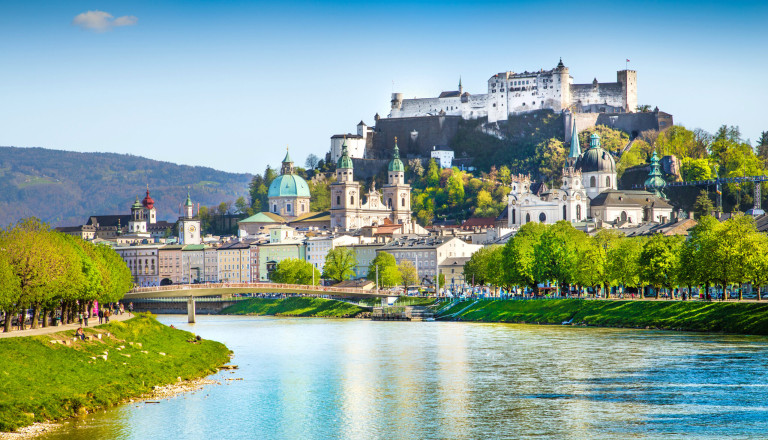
x=354, y=379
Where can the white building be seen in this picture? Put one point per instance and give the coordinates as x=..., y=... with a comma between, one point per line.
x=427, y=253
x=588, y=191
x=442, y=155
x=143, y=263
x=234, y=262
x=511, y=93
x=318, y=247
x=356, y=143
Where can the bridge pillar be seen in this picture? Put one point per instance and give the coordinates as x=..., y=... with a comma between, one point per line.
x=191, y=310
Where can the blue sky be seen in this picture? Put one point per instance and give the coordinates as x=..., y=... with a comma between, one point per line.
x=230, y=84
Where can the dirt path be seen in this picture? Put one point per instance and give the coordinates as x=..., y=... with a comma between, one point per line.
x=93, y=322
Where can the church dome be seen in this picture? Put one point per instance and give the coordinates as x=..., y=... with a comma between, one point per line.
x=396, y=164
x=596, y=159
x=148, y=202
x=288, y=185
x=345, y=162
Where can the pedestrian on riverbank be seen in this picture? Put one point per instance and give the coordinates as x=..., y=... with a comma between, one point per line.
x=130, y=308
x=106, y=316
x=80, y=318
x=79, y=333
x=101, y=315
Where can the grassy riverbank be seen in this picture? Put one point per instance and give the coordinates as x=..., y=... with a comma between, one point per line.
x=295, y=306
x=730, y=317
x=41, y=380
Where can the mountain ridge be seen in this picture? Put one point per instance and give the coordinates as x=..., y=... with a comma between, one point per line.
x=64, y=187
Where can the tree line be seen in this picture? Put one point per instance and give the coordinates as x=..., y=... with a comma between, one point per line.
x=48, y=271
x=715, y=254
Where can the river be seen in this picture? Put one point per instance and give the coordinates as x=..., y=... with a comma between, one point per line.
x=311, y=378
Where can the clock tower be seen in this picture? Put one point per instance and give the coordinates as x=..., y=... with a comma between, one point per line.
x=189, y=226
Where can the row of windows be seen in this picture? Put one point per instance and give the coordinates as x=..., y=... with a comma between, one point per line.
x=543, y=216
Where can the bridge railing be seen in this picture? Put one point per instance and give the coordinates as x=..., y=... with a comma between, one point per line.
x=280, y=286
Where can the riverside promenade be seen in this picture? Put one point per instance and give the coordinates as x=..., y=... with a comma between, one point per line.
x=64, y=327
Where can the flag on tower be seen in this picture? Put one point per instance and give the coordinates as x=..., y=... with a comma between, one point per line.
x=627, y=59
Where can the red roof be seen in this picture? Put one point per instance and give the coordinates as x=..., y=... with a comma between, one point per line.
x=148, y=202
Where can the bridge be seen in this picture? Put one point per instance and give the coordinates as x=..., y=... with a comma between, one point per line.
x=227, y=290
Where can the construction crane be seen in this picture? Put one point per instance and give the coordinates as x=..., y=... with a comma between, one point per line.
x=718, y=182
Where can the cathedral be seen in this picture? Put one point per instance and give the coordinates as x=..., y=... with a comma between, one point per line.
x=352, y=210
x=588, y=191
x=289, y=193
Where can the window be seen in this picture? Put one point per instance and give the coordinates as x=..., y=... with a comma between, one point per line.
x=578, y=212
x=592, y=181
x=352, y=200
x=338, y=200
x=274, y=208
x=542, y=217
x=564, y=212
x=608, y=182
x=527, y=218
x=513, y=216
x=389, y=203
x=623, y=216
x=288, y=207
x=402, y=202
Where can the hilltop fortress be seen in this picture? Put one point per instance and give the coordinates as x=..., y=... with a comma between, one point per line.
x=511, y=93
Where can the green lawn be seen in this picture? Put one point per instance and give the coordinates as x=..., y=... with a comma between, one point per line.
x=42, y=381
x=294, y=306
x=730, y=317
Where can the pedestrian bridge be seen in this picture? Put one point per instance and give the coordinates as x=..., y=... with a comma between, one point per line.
x=227, y=290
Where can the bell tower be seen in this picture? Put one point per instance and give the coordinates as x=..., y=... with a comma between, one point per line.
x=345, y=194
x=188, y=225
x=397, y=193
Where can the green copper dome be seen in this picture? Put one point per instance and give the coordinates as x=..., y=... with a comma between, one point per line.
x=596, y=159
x=189, y=200
x=345, y=162
x=655, y=183
x=137, y=204
x=396, y=164
x=288, y=185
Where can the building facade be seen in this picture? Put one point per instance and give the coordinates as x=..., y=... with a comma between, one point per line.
x=234, y=262
x=349, y=211
x=143, y=262
x=511, y=93
x=356, y=144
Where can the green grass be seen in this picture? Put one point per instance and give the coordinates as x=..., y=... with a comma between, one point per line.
x=414, y=301
x=294, y=306
x=731, y=317
x=42, y=381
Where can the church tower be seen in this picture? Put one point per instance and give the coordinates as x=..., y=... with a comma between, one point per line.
x=138, y=222
x=397, y=194
x=189, y=225
x=345, y=194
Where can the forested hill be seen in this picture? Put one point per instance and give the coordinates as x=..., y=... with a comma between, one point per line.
x=65, y=187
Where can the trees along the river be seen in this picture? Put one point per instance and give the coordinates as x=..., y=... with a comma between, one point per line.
x=37, y=262
x=295, y=271
x=118, y=279
x=589, y=266
x=10, y=286
x=409, y=275
x=731, y=252
x=484, y=267
x=79, y=282
x=339, y=264
x=623, y=261
x=385, y=266
x=518, y=258
x=757, y=265
x=556, y=253
x=659, y=261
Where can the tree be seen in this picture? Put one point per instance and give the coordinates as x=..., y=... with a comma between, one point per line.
x=732, y=251
x=10, y=286
x=551, y=155
x=311, y=162
x=476, y=270
x=703, y=205
x=408, y=273
x=388, y=273
x=504, y=175
x=241, y=206
x=339, y=264
x=623, y=262
x=659, y=261
x=762, y=148
x=557, y=252
x=433, y=173
x=518, y=259
x=484, y=206
x=610, y=139
x=695, y=169
x=455, y=190
x=414, y=165
x=295, y=271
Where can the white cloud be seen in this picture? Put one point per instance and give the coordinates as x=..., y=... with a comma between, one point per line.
x=100, y=21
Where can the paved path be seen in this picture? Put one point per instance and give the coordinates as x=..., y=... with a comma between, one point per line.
x=53, y=329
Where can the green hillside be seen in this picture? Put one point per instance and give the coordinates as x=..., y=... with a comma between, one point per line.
x=65, y=187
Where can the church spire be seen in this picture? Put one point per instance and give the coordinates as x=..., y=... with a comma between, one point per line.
x=575, y=147
x=655, y=182
x=461, y=89
x=287, y=163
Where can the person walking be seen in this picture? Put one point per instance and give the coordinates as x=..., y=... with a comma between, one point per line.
x=106, y=316
x=101, y=315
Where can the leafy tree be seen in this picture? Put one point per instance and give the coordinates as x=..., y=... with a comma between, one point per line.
x=433, y=173
x=695, y=169
x=762, y=148
x=518, y=258
x=455, y=190
x=408, y=274
x=557, y=252
x=339, y=265
x=320, y=195
x=551, y=155
x=476, y=270
x=415, y=167
x=388, y=273
x=659, y=261
x=241, y=206
x=610, y=139
x=295, y=271
x=10, y=286
x=703, y=205
x=732, y=250
x=504, y=175
x=623, y=262
x=484, y=204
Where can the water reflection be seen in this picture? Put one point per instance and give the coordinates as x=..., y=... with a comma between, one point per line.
x=351, y=379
